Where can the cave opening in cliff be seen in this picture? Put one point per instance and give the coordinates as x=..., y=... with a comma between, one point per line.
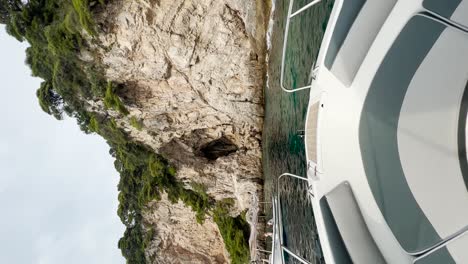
x=218, y=148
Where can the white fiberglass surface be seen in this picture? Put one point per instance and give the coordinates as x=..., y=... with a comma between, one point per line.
x=416, y=234
x=409, y=134
x=427, y=133
x=458, y=247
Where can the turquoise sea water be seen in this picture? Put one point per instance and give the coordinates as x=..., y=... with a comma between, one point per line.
x=283, y=149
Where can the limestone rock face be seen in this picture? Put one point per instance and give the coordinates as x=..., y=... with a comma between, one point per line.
x=193, y=74
x=180, y=239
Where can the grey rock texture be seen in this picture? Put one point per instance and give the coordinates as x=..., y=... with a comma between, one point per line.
x=193, y=73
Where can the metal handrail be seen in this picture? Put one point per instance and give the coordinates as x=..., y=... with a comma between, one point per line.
x=278, y=214
x=302, y=260
x=304, y=8
x=285, y=43
x=290, y=175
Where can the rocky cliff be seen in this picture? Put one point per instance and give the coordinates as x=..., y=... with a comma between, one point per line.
x=192, y=73
x=179, y=238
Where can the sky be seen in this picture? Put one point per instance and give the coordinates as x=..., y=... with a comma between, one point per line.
x=58, y=186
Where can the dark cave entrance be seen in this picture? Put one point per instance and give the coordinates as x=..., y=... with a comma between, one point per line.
x=218, y=148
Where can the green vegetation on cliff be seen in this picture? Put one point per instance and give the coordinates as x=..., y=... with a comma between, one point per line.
x=235, y=230
x=55, y=30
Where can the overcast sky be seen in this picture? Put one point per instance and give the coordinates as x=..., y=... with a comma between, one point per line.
x=58, y=194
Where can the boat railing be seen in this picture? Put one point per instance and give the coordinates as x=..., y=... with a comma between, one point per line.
x=302, y=178
x=279, y=221
x=285, y=43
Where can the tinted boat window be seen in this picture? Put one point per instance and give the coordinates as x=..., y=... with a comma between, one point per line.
x=444, y=8
x=378, y=135
x=348, y=14
x=358, y=23
x=454, y=10
x=462, y=133
x=454, y=251
x=339, y=251
x=438, y=257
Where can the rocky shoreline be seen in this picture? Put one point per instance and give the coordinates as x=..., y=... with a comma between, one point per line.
x=192, y=73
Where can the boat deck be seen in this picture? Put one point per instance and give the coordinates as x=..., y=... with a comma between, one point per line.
x=311, y=131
